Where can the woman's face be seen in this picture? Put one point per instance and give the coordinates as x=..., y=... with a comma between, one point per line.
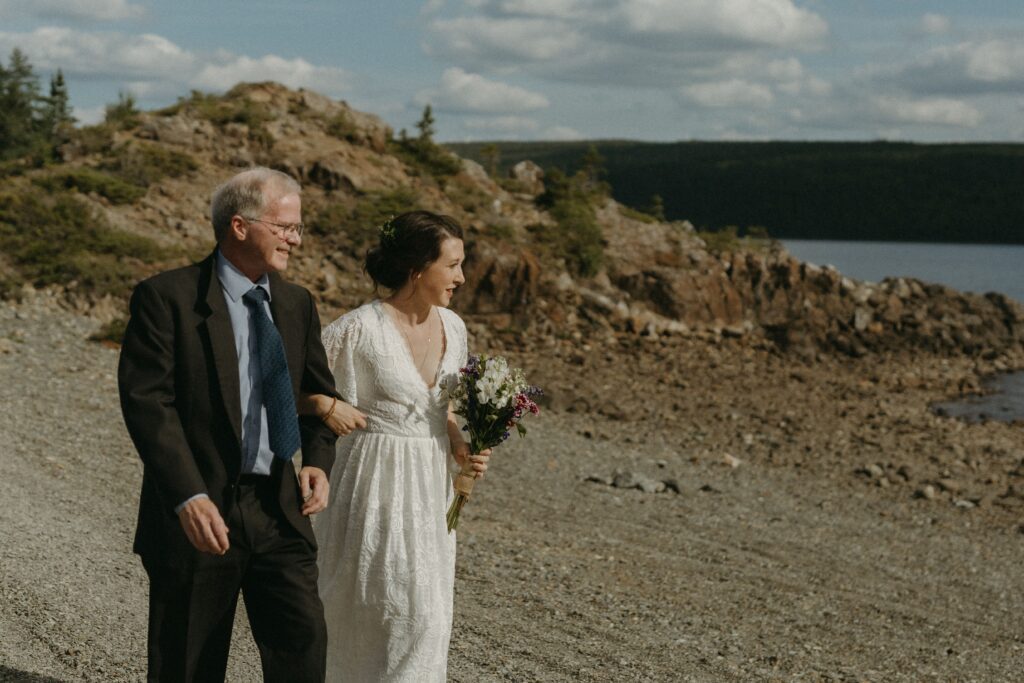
x=437, y=283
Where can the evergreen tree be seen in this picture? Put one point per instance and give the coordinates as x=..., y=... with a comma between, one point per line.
x=426, y=125
x=19, y=99
x=657, y=207
x=491, y=156
x=57, y=118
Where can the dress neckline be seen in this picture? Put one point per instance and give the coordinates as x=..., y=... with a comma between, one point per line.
x=408, y=350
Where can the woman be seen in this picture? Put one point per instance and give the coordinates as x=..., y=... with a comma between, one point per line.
x=386, y=560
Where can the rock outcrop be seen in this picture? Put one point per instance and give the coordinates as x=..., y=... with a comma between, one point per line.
x=657, y=279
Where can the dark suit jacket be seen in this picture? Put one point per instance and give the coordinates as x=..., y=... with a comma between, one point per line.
x=179, y=387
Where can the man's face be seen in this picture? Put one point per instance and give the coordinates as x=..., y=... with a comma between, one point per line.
x=268, y=245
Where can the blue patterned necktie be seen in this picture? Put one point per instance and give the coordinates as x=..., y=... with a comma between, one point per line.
x=282, y=421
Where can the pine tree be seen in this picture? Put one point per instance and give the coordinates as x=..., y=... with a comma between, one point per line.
x=20, y=115
x=426, y=125
x=57, y=118
x=491, y=156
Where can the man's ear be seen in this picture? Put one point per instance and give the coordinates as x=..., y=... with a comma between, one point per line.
x=239, y=228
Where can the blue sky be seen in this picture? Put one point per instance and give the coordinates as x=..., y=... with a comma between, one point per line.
x=923, y=70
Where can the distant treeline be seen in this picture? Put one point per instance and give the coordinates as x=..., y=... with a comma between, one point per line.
x=806, y=190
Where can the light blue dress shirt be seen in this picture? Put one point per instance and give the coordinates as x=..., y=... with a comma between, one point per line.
x=256, y=454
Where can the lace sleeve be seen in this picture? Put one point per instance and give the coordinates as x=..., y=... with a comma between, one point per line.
x=340, y=339
x=458, y=339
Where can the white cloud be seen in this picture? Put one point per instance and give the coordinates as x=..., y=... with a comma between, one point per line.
x=731, y=93
x=756, y=22
x=151, y=65
x=294, y=73
x=971, y=67
x=934, y=24
x=98, y=54
x=500, y=40
x=468, y=92
x=648, y=43
x=935, y=110
x=94, y=10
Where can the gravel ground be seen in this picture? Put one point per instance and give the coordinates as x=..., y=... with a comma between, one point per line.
x=773, y=562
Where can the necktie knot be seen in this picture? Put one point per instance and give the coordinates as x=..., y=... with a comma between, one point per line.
x=254, y=296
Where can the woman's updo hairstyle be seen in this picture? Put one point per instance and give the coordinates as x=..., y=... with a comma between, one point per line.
x=409, y=244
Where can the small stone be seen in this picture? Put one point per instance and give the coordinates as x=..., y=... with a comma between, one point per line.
x=964, y=503
x=672, y=484
x=731, y=460
x=598, y=479
x=946, y=484
x=662, y=464
x=927, y=492
x=624, y=479
x=874, y=471
x=648, y=485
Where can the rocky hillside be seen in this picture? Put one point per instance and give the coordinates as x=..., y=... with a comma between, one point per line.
x=546, y=263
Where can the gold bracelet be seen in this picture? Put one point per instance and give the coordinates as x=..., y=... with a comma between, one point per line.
x=327, y=415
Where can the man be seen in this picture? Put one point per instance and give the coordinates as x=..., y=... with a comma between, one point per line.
x=213, y=357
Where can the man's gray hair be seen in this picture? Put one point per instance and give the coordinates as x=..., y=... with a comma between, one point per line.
x=248, y=194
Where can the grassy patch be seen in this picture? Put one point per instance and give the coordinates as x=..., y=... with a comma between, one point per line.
x=636, y=215
x=352, y=228
x=56, y=238
x=145, y=164
x=728, y=239
x=425, y=157
x=88, y=180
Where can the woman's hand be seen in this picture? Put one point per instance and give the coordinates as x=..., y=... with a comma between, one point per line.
x=478, y=461
x=341, y=417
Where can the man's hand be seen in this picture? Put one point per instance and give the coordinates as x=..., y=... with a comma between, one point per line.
x=345, y=419
x=315, y=489
x=204, y=526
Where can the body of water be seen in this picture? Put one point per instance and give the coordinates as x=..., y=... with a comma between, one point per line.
x=977, y=268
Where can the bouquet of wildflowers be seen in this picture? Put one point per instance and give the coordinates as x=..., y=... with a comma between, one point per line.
x=492, y=398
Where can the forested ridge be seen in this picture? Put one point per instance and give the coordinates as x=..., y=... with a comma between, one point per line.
x=806, y=190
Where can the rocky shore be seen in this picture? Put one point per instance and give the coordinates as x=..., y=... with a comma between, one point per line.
x=821, y=523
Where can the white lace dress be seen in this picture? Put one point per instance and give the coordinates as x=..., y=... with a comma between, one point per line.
x=386, y=559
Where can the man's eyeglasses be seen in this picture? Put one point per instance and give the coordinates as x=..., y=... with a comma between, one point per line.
x=283, y=229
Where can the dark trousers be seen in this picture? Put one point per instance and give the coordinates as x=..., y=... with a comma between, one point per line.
x=192, y=609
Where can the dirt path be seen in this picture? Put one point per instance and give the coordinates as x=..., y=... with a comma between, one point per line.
x=761, y=572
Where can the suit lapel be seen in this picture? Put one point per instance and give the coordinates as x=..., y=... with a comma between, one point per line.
x=222, y=342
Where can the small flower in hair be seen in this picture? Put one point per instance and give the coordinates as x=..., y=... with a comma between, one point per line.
x=387, y=233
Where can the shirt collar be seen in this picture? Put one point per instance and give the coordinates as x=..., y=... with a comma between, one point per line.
x=234, y=282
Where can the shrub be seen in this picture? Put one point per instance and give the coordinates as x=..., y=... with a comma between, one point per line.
x=94, y=139
x=578, y=238
x=352, y=228
x=59, y=239
x=88, y=180
x=426, y=158
x=342, y=127
x=123, y=114
x=112, y=332
x=144, y=164
x=724, y=241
